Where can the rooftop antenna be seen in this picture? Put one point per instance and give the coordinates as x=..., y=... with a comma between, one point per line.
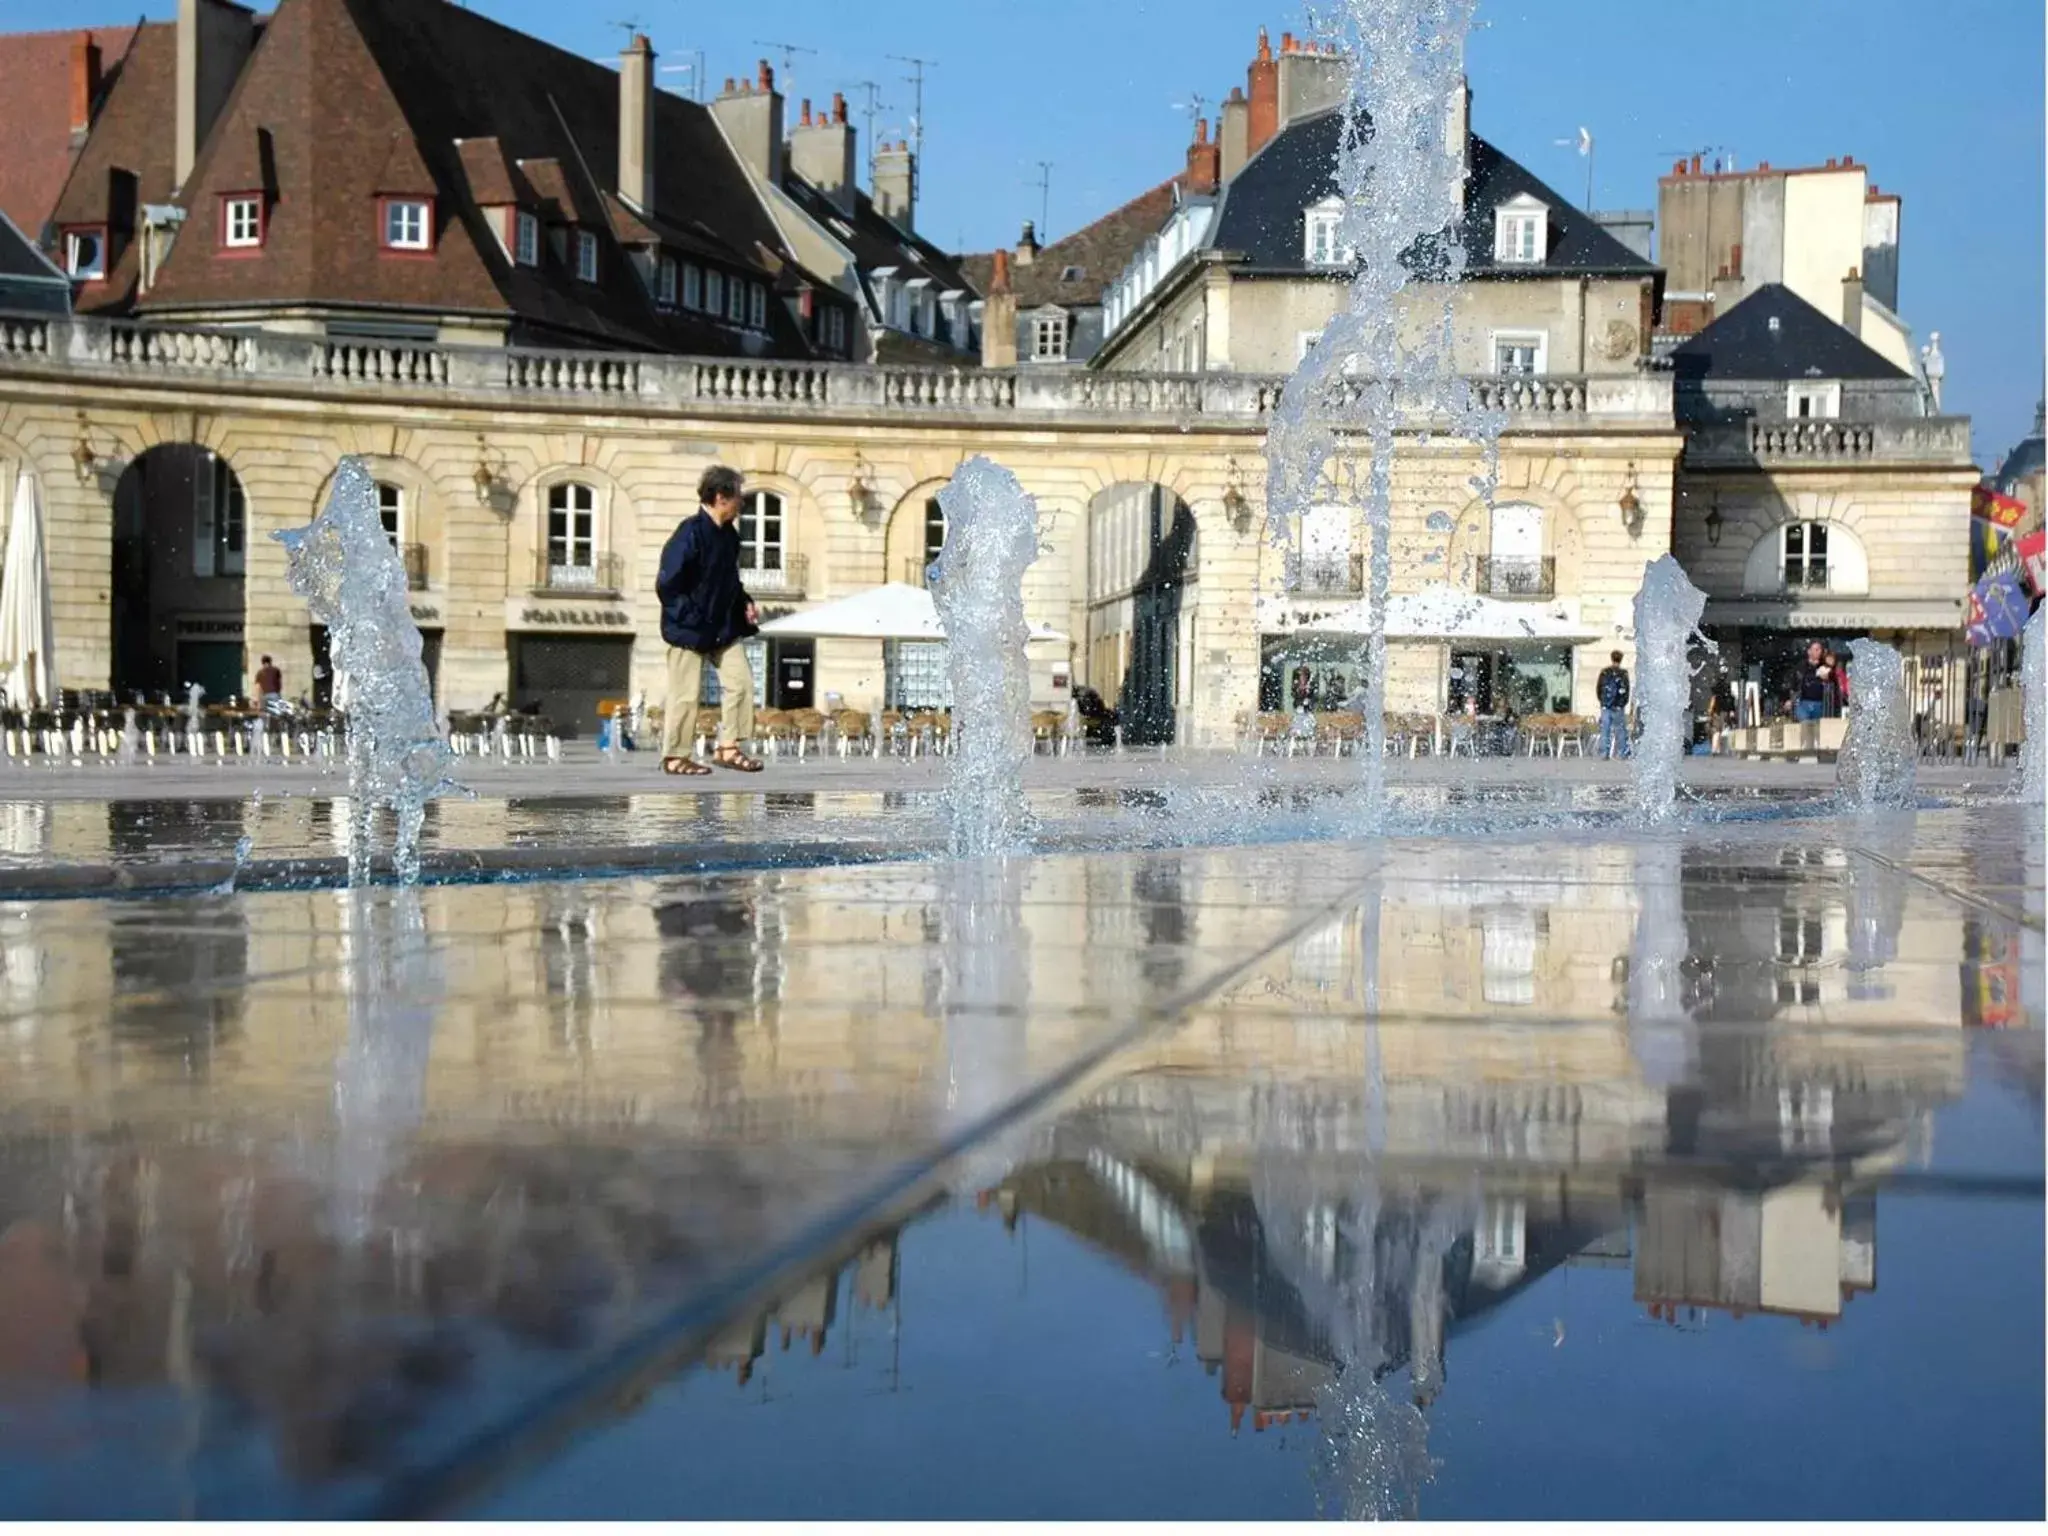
x=916, y=78
x=789, y=53
x=1044, y=199
x=1584, y=145
x=632, y=28
x=869, y=107
x=1193, y=106
x=694, y=69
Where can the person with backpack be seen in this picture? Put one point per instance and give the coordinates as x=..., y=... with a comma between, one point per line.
x=1612, y=691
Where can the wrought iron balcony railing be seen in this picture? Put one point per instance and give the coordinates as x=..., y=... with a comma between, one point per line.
x=1517, y=576
x=789, y=576
x=415, y=558
x=1330, y=575
x=560, y=570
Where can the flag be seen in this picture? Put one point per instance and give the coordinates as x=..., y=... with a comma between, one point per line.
x=2002, y=511
x=1997, y=609
x=2032, y=548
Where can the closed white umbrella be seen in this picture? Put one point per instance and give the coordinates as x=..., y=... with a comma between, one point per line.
x=28, y=635
x=895, y=611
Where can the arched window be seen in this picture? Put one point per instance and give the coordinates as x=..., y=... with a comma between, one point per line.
x=572, y=534
x=1803, y=556
x=391, y=511
x=761, y=532
x=934, y=529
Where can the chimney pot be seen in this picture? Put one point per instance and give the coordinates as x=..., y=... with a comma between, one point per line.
x=805, y=118
x=838, y=107
x=1763, y=165
x=1265, y=48
x=1287, y=42
x=1831, y=163
x=728, y=85
x=1695, y=165
x=1201, y=130
x=766, y=77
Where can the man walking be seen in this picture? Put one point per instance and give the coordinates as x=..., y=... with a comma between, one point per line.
x=705, y=614
x=1612, y=691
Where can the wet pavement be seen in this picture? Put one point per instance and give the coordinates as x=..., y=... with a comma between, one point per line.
x=1547, y=1174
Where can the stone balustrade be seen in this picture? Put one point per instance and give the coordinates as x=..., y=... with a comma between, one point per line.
x=85, y=348
x=1820, y=443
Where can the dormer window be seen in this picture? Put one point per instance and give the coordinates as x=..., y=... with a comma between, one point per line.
x=1812, y=400
x=1319, y=239
x=757, y=307
x=714, y=292
x=1049, y=336
x=526, y=239
x=85, y=254
x=693, y=285
x=665, y=282
x=1521, y=232
x=408, y=224
x=586, y=256
x=241, y=221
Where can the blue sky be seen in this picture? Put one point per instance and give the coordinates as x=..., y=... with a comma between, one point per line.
x=1944, y=103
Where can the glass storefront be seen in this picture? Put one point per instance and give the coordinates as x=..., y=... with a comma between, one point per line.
x=1510, y=679
x=1310, y=671
x=914, y=675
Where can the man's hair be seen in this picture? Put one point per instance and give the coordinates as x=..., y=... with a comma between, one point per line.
x=718, y=481
x=1615, y=657
x=266, y=661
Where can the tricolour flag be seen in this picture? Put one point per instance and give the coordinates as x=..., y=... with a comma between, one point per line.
x=2032, y=548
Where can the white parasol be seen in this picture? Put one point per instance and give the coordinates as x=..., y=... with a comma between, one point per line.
x=28, y=636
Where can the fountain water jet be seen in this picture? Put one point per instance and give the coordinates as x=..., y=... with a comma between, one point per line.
x=1878, y=760
x=353, y=582
x=2034, y=692
x=978, y=584
x=1400, y=173
x=1668, y=609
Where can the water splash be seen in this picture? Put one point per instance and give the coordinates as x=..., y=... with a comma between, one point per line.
x=344, y=566
x=1661, y=1034
x=2034, y=692
x=194, y=692
x=985, y=996
x=978, y=584
x=1878, y=759
x=1400, y=174
x=1668, y=609
x=131, y=740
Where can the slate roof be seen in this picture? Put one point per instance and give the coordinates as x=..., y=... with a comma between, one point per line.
x=35, y=120
x=1262, y=213
x=2028, y=456
x=1100, y=250
x=1775, y=334
x=23, y=267
x=344, y=101
x=877, y=240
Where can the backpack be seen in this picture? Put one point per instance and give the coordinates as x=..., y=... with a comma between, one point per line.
x=1614, y=689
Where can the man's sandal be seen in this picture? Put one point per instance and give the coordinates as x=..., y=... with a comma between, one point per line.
x=735, y=759
x=688, y=767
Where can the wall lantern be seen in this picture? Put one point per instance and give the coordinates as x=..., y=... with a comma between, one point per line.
x=1713, y=521
x=859, y=488
x=1236, y=506
x=483, y=477
x=1630, y=504
x=83, y=459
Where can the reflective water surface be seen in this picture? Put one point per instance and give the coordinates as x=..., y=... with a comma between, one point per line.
x=1566, y=1174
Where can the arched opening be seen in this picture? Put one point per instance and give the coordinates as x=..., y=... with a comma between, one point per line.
x=181, y=529
x=917, y=533
x=1141, y=546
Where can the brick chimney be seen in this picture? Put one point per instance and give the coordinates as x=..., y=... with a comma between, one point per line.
x=636, y=124
x=999, y=318
x=895, y=177
x=1231, y=133
x=1852, y=302
x=821, y=151
x=1027, y=245
x=750, y=112
x=85, y=85
x=1262, y=86
x=1205, y=163
x=215, y=39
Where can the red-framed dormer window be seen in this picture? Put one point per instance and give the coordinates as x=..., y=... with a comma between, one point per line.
x=85, y=252
x=244, y=221
x=406, y=224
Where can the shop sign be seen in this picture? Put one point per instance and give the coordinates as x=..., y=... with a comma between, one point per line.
x=571, y=615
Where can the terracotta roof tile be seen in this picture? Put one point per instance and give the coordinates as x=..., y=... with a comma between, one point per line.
x=1098, y=252
x=350, y=99
x=35, y=126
